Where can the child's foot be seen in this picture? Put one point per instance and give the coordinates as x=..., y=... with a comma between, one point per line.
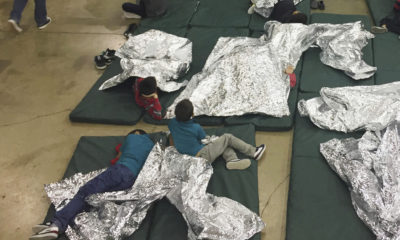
x=131, y=29
x=377, y=29
x=48, y=21
x=47, y=233
x=251, y=9
x=15, y=25
x=131, y=15
x=259, y=151
x=40, y=227
x=238, y=164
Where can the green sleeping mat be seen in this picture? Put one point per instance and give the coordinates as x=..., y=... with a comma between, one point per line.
x=204, y=40
x=221, y=13
x=178, y=14
x=319, y=203
x=386, y=57
x=163, y=220
x=257, y=21
x=115, y=105
x=316, y=75
x=112, y=106
x=379, y=9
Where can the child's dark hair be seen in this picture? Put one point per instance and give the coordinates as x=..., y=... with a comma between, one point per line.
x=148, y=86
x=298, y=18
x=138, y=131
x=184, y=110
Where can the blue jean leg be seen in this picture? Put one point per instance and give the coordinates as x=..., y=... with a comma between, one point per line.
x=115, y=178
x=40, y=12
x=18, y=8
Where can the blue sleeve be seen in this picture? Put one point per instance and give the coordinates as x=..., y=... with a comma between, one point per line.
x=201, y=133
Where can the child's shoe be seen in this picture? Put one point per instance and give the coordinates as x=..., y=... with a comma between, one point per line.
x=131, y=15
x=259, y=151
x=131, y=29
x=47, y=233
x=100, y=62
x=251, y=9
x=40, y=227
x=377, y=29
x=238, y=164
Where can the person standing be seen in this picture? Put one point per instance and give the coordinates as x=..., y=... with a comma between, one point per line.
x=41, y=18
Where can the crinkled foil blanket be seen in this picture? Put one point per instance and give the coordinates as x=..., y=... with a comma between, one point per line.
x=265, y=7
x=246, y=75
x=182, y=178
x=349, y=109
x=370, y=167
x=154, y=53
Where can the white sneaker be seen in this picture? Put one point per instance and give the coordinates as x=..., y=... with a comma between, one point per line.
x=15, y=25
x=251, y=9
x=131, y=15
x=45, y=25
x=48, y=233
x=238, y=164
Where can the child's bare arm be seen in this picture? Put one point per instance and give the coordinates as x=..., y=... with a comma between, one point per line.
x=171, y=140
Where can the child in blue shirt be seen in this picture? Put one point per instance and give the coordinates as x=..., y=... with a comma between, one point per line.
x=186, y=135
x=121, y=176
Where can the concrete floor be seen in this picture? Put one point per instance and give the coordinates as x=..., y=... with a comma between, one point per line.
x=43, y=76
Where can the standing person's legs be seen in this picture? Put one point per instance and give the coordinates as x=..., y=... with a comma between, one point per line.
x=18, y=7
x=115, y=178
x=40, y=12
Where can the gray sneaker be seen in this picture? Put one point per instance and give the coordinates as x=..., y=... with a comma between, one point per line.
x=238, y=164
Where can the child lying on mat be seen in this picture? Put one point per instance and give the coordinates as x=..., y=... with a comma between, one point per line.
x=186, y=135
x=285, y=12
x=134, y=152
x=388, y=23
x=146, y=96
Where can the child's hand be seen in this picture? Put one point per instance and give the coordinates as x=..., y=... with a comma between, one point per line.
x=289, y=69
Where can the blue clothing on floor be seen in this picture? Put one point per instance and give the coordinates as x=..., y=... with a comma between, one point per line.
x=40, y=11
x=135, y=150
x=116, y=178
x=187, y=136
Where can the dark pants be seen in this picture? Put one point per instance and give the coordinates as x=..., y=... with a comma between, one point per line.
x=40, y=11
x=392, y=24
x=116, y=178
x=134, y=8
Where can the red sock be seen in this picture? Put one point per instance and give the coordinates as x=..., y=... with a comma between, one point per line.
x=118, y=147
x=292, y=79
x=114, y=161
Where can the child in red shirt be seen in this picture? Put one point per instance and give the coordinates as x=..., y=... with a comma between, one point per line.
x=146, y=96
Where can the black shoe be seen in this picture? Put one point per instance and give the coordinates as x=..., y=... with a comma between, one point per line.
x=131, y=29
x=321, y=5
x=259, y=151
x=109, y=56
x=100, y=61
x=43, y=26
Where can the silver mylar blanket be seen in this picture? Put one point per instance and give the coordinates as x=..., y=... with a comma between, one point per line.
x=182, y=178
x=154, y=53
x=370, y=167
x=265, y=7
x=348, y=109
x=246, y=75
